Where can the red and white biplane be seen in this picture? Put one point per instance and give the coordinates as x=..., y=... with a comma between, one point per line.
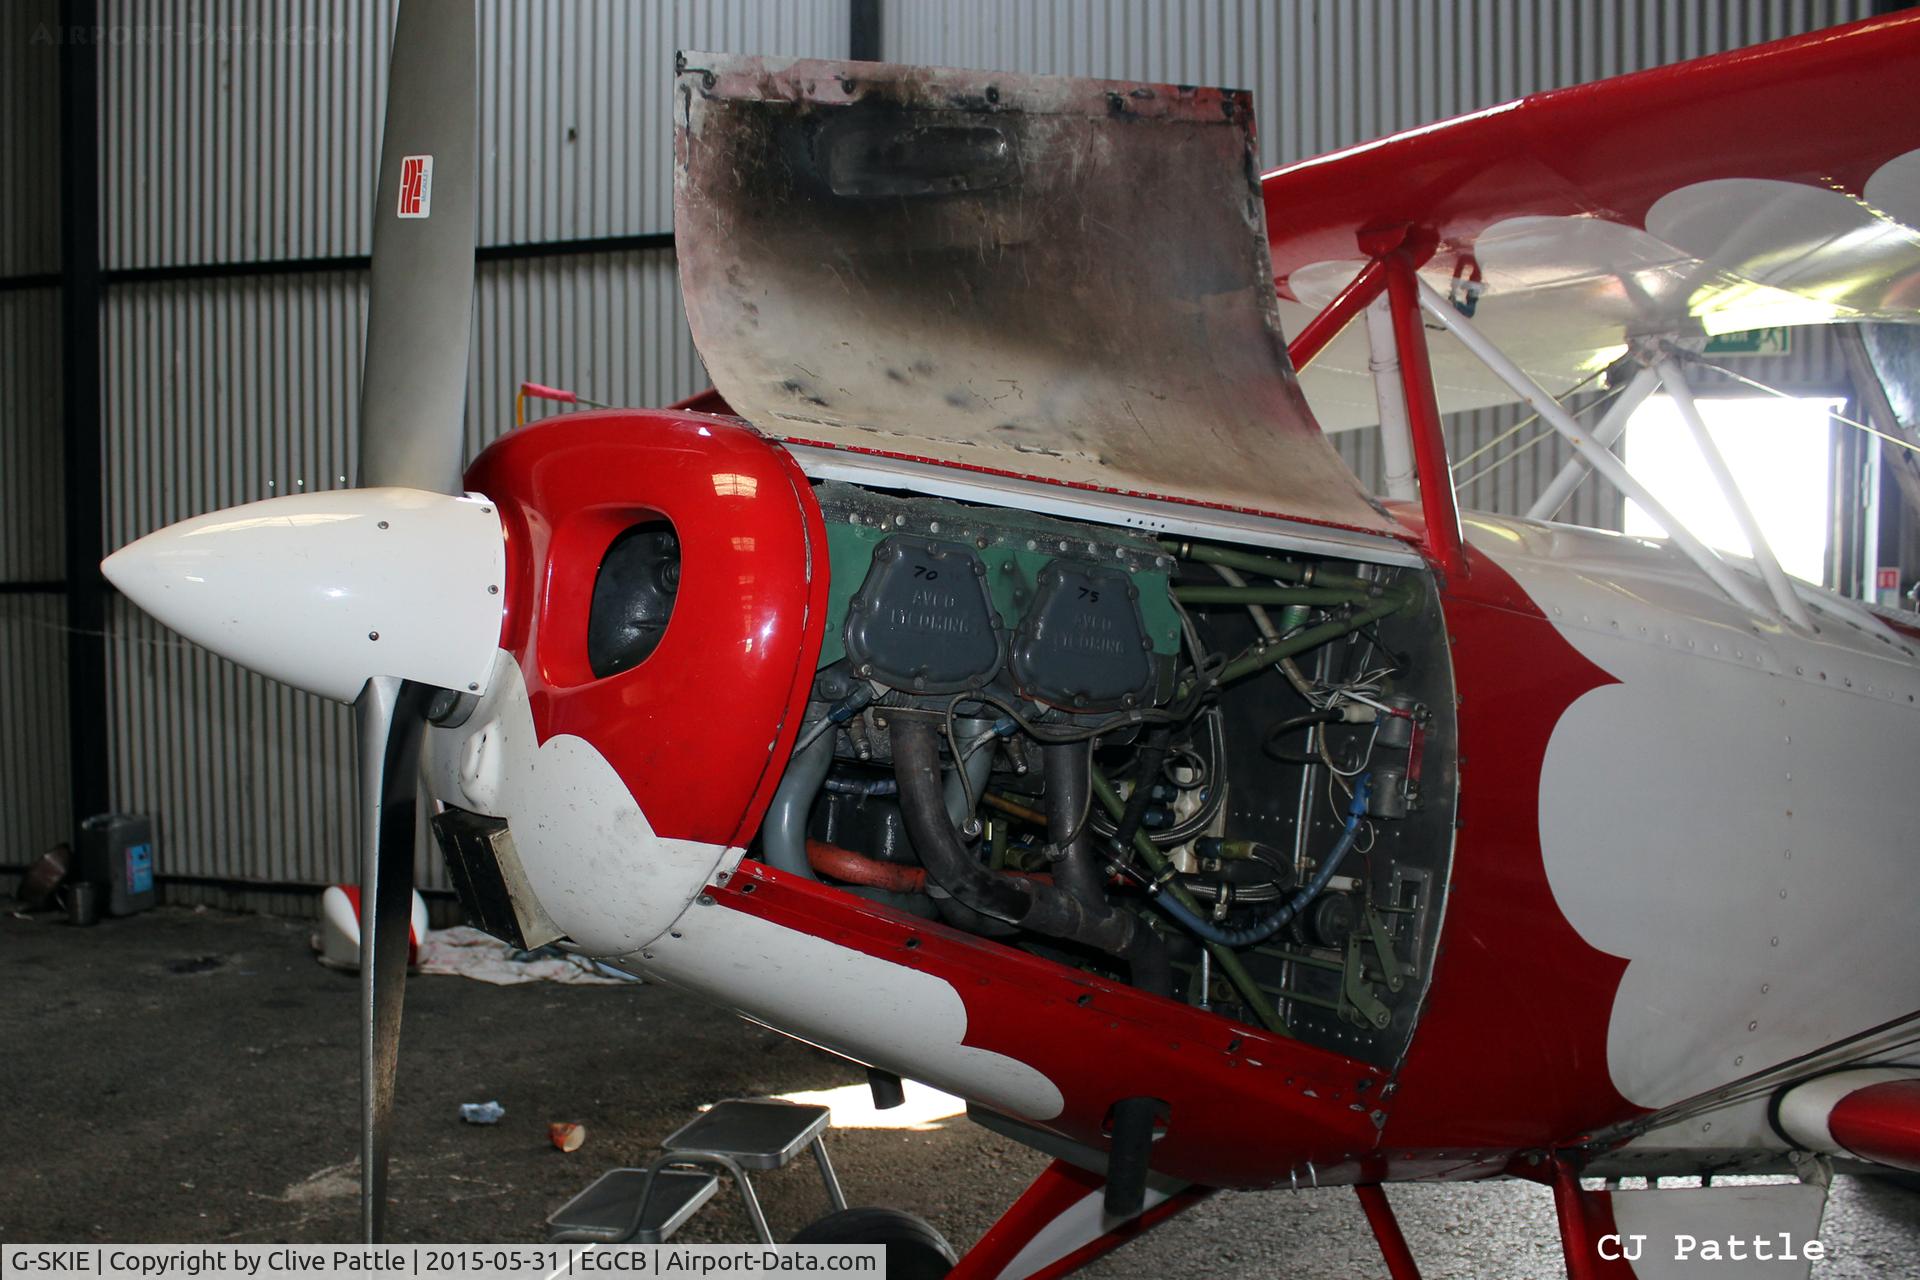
x=999, y=679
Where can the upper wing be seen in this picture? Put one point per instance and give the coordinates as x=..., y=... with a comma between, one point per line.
x=1773, y=185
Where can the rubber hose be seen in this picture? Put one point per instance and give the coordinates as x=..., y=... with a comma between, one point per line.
x=1209, y=890
x=895, y=877
x=1271, y=743
x=861, y=786
x=1153, y=753
x=1263, y=929
x=856, y=868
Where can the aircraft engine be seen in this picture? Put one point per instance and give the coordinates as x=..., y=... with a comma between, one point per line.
x=1167, y=762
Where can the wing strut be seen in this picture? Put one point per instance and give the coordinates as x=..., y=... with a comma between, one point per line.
x=1610, y=428
x=1438, y=506
x=1782, y=591
x=1410, y=422
x=1411, y=436
x=1597, y=457
x=1396, y=434
x=1410, y=432
x=1370, y=283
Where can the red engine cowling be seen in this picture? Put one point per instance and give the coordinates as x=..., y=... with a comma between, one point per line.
x=665, y=586
x=695, y=728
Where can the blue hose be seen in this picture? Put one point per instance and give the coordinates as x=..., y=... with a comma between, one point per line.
x=1261, y=930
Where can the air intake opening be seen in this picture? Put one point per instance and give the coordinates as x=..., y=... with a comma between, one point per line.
x=633, y=595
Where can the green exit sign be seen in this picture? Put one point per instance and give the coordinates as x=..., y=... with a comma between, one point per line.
x=1777, y=341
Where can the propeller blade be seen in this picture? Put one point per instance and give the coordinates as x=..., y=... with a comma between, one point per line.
x=383, y=595
x=412, y=411
x=419, y=312
x=391, y=716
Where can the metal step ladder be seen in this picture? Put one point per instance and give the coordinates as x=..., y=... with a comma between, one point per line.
x=733, y=1138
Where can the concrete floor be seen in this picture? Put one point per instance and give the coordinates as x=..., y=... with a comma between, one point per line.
x=186, y=1076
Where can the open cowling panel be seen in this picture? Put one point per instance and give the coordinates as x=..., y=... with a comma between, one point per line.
x=1041, y=277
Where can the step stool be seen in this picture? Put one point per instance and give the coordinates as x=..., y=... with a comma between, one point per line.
x=646, y=1206
x=616, y=1209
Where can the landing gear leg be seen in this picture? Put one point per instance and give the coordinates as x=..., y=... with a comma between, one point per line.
x=1583, y=1219
x=1059, y=1224
x=1386, y=1229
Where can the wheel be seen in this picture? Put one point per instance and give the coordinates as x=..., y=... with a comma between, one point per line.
x=915, y=1251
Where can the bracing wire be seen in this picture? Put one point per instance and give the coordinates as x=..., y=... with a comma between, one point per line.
x=1841, y=418
x=1546, y=433
x=1524, y=423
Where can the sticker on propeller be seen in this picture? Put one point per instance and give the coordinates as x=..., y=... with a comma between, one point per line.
x=416, y=186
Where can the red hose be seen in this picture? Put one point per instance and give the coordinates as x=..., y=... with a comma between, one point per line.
x=854, y=868
x=857, y=868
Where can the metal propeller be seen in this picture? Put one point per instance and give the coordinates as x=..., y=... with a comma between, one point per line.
x=384, y=594
x=390, y=715
x=412, y=410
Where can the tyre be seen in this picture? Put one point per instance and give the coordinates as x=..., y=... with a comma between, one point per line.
x=915, y=1251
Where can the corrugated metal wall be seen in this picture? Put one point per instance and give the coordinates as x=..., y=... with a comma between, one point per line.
x=29, y=139
x=32, y=536
x=1329, y=73
x=33, y=726
x=249, y=130
x=223, y=390
x=33, y=650
x=218, y=392
x=243, y=131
